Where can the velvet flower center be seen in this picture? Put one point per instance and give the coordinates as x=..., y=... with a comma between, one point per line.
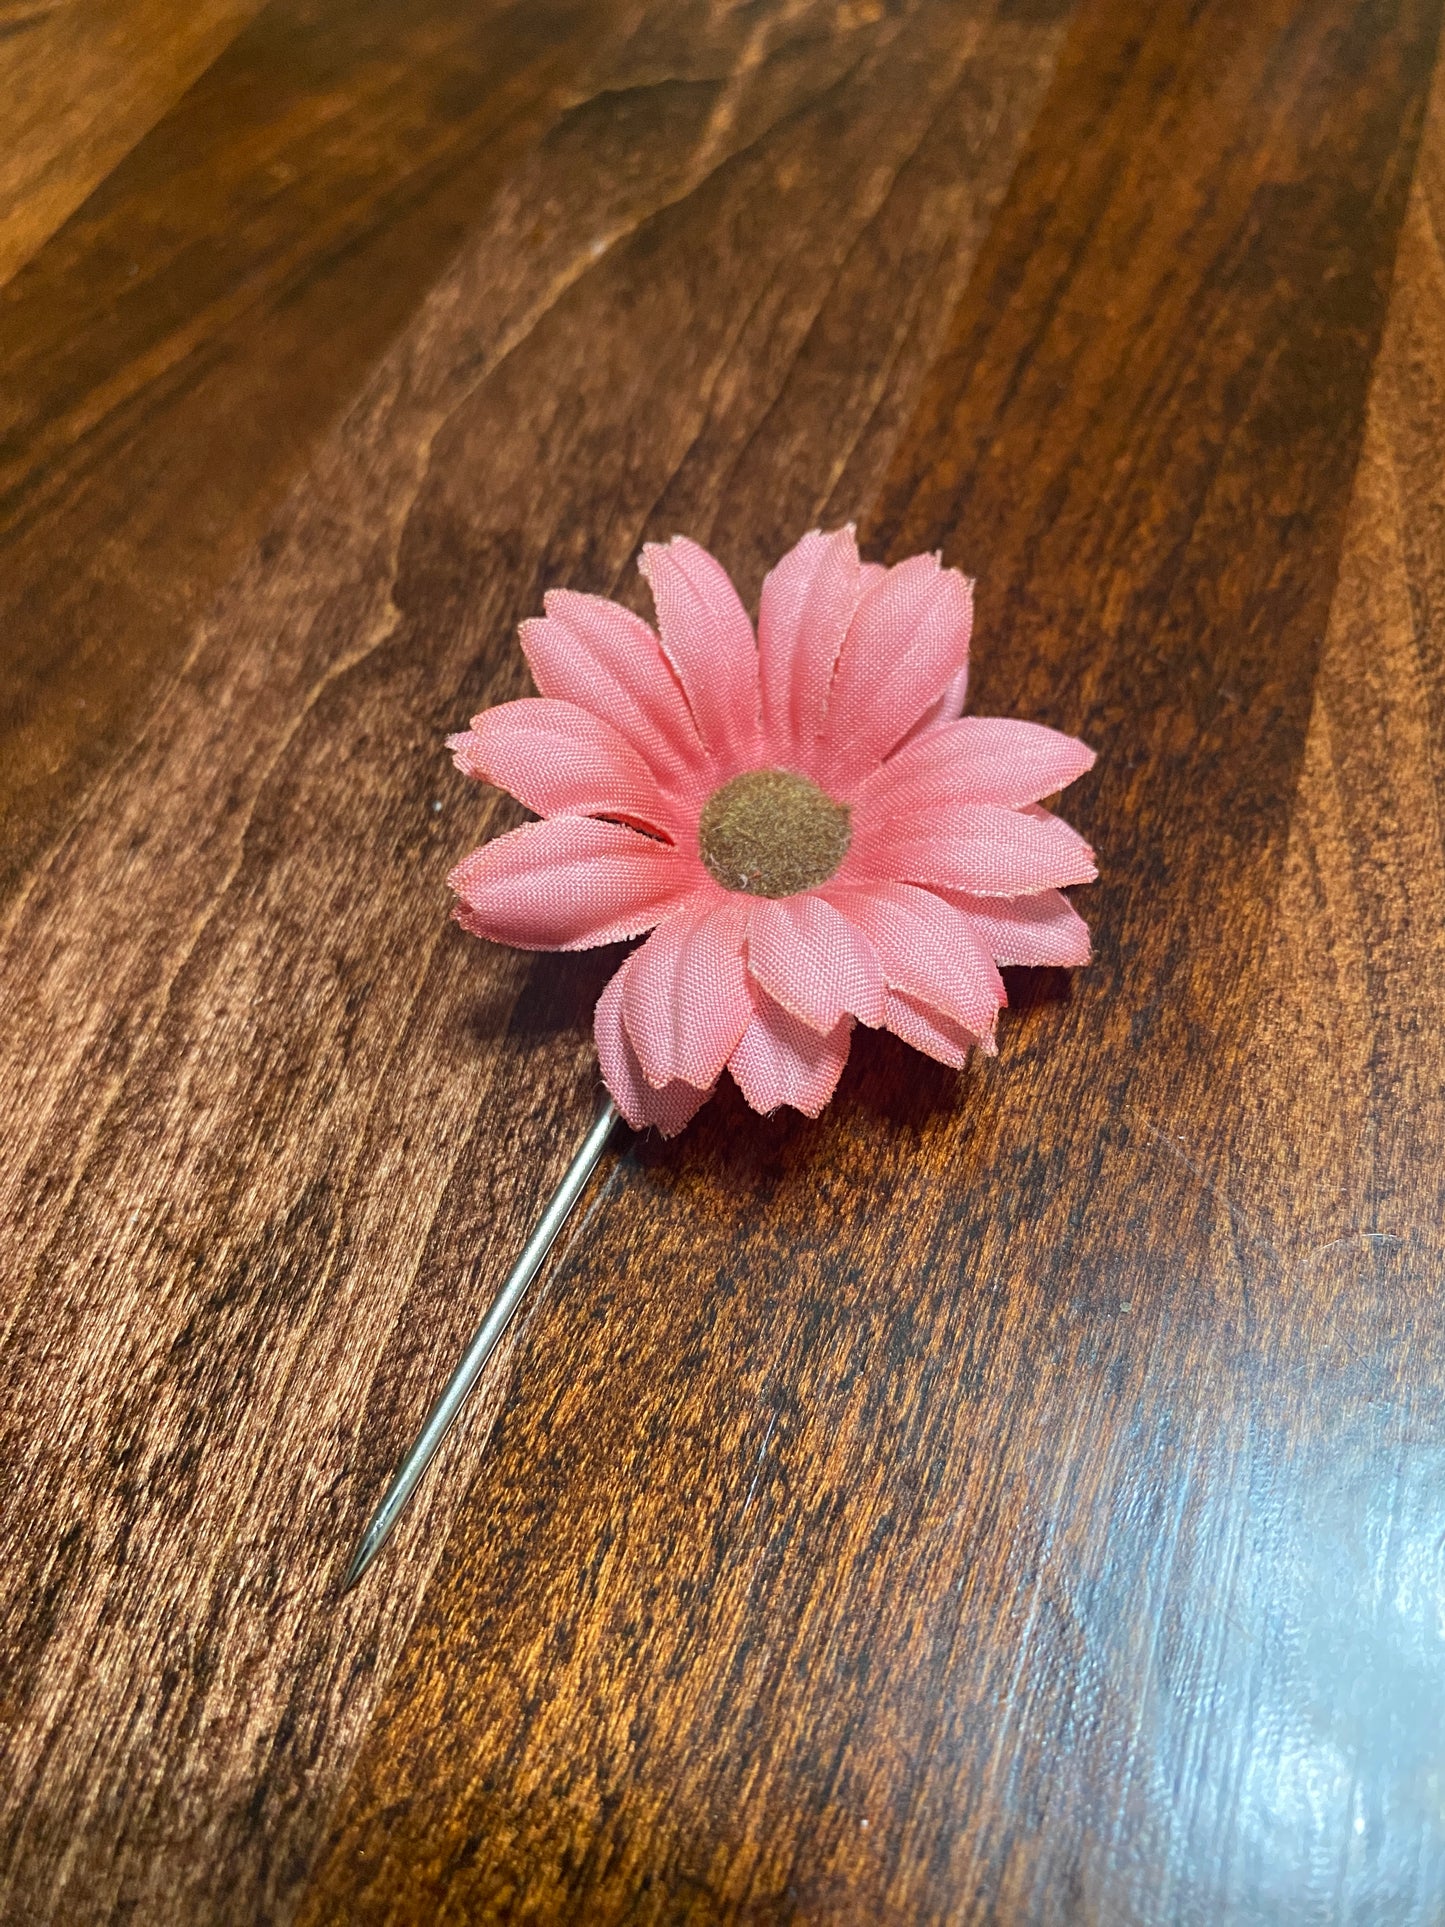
x=771, y=833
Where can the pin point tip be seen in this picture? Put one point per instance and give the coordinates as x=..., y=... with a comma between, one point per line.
x=360, y=1560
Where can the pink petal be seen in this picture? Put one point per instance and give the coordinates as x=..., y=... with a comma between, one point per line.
x=807, y=602
x=1045, y=929
x=565, y=885
x=977, y=847
x=781, y=1061
x=669, y=1109
x=929, y=1031
x=560, y=761
x=708, y=639
x=947, y=709
x=807, y=956
x=907, y=642
x=686, y=1001
x=928, y=951
x=600, y=656
x=978, y=759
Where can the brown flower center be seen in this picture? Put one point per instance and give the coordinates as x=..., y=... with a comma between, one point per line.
x=772, y=833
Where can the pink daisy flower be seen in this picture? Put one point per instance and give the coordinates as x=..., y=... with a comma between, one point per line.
x=813, y=833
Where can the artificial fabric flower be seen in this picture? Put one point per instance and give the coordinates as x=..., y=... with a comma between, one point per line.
x=811, y=830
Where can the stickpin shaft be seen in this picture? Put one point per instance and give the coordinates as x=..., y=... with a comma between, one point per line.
x=444, y=1413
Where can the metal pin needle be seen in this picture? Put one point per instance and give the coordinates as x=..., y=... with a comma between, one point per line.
x=444, y=1413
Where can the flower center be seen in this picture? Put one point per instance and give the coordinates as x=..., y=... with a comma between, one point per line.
x=772, y=833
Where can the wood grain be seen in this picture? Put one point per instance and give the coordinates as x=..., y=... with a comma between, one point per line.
x=1339, y=1103
x=169, y=361
x=81, y=85
x=1014, y=1498
x=270, y=1122
x=1022, y=1503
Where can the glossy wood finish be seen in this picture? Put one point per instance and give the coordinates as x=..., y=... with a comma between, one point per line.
x=1015, y=1497
x=80, y=87
x=168, y=363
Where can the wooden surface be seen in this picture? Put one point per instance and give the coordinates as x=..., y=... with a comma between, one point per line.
x=1016, y=1497
x=81, y=85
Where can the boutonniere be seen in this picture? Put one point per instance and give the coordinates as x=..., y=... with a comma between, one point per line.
x=801, y=823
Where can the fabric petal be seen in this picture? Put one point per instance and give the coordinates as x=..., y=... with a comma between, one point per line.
x=928, y=1030
x=708, y=639
x=906, y=644
x=806, y=955
x=977, y=847
x=977, y=759
x=560, y=761
x=668, y=1109
x=929, y=952
x=1040, y=930
x=685, y=1002
x=807, y=602
x=566, y=885
x=782, y=1061
x=947, y=709
x=600, y=656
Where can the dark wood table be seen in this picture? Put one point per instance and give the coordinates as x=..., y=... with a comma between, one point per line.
x=1017, y=1497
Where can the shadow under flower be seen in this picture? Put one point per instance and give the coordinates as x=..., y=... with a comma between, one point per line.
x=885, y=1079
